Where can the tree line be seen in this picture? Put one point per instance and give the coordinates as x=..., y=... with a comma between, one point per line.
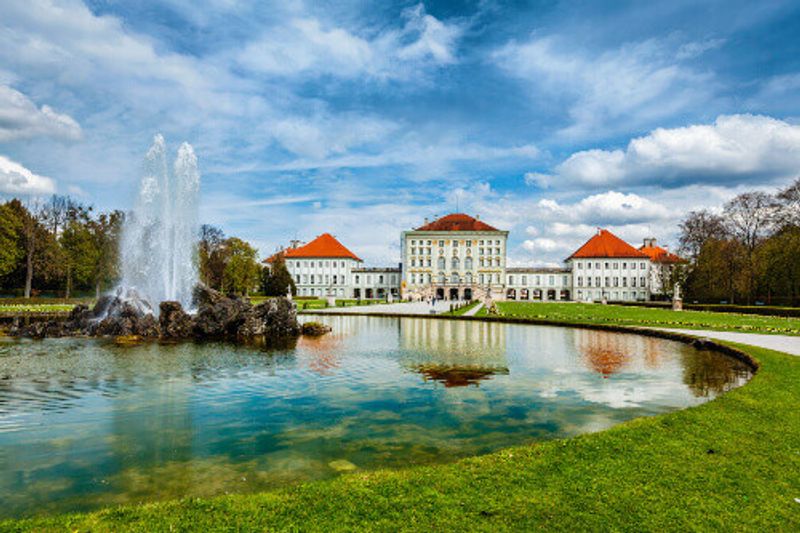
x=63, y=247
x=747, y=253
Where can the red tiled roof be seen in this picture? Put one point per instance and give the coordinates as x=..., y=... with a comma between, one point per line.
x=658, y=254
x=324, y=246
x=606, y=244
x=457, y=222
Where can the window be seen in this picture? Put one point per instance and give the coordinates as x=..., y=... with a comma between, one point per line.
x=624, y=266
x=480, y=279
x=510, y=280
x=455, y=263
x=616, y=266
x=588, y=281
x=334, y=279
x=597, y=281
x=413, y=279
x=311, y=279
x=441, y=244
x=311, y=265
x=358, y=279
x=342, y=265
x=413, y=262
x=469, y=244
x=580, y=281
x=633, y=281
x=642, y=282
x=442, y=263
x=606, y=265
x=624, y=281
x=413, y=251
x=455, y=244
x=441, y=278
x=597, y=266
x=454, y=277
x=380, y=279
x=608, y=282
x=565, y=281
x=616, y=282
x=469, y=278
x=524, y=280
x=468, y=263
x=497, y=251
x=580, y=266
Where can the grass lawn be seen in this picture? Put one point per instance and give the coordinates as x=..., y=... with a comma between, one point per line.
x=582, y=313
x=731, y=464
x=34, y=309
x=461, y=310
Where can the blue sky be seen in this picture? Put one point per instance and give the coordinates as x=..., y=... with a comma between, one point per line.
x=362, y=118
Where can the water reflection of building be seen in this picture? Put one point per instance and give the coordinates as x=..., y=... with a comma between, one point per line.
x=608, y=353
x=456, y=353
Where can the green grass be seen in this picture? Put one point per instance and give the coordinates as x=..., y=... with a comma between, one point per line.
x=33, y=309
x=730, y=464
x=461, y=310
x=581, y=313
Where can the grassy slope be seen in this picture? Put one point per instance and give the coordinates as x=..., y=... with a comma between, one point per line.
x=461, y=310
x=733, y=463
x=642, y=316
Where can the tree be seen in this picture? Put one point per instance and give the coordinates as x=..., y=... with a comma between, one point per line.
x=11, y=253
x=276, y=280
x=212, y=256
x=241, y=270
x=79, y=252
x=788, y=205
x=106, y=231
x=697, y=228
x=749, y=217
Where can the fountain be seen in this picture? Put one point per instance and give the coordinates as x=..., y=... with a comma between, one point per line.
x=159, y=236
x=159, y=294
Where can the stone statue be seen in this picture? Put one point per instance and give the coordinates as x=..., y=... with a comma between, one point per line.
x=677, y=301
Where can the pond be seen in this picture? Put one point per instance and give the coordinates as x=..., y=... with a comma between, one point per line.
x=85, y=423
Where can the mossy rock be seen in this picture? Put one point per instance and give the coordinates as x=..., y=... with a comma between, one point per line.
x=315, y=329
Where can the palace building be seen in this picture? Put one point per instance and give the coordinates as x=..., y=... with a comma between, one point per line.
x=460, y=257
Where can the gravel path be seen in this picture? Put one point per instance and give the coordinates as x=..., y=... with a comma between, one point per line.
x=474, y=310
x=780, y=343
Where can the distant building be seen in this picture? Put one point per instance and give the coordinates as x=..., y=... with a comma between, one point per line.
x=608, y=268
x=456, y=257
x=460, y=257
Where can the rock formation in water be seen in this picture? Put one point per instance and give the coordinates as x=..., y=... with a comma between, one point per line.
x=218, y=317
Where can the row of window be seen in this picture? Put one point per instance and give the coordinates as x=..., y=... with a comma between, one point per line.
x=455, y=278
x=312, y=264
x=313, y=279
x=455, y=243
x=481, y=251
x=611, y=282
x=455, y=263
x=615, y=265
x=612, y=295
x=537, y=280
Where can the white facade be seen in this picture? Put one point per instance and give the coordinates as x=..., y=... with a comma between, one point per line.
x=453, y=264
x=323, y=277
x=620, y=279
x=541, y=284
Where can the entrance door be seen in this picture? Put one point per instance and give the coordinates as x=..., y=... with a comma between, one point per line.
x=468, y=294
x=454, y=294
x=369, y=294
x=440, y=294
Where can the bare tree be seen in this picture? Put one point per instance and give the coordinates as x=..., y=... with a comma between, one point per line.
x=788, y=202
x=697, y=228
x=749, y=218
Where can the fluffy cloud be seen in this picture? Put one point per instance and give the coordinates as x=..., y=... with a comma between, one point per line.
x=15, y=179
x=21, y=119
x=307, y=46
x=610, y=207
x=621, y=88
x=734, y=149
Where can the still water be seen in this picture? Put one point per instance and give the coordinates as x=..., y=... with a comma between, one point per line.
x=85, y=423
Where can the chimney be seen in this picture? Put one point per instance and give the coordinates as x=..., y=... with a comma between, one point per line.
x=477, y=217
x=650, y=242
x=426, y=220
x=599, y=230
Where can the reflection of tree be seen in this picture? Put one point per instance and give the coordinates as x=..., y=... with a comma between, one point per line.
x=458, y=376
x=710, y=373
x=323, y=353
x=604, y=352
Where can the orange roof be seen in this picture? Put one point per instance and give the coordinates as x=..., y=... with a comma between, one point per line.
x=606, y=244
x=324, y=246
x=457, y=222
x=658, y=254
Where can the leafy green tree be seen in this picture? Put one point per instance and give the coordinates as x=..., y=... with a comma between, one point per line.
x=241, y=270
x=106, y=231
x=80, y=254
x=276, y=280
x=11, y=253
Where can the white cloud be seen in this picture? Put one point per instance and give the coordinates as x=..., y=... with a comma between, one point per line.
x=307, y=46
x=734, y=149
x=15, y=179
x=21, y=119
x=617, y=89
x=318, y=137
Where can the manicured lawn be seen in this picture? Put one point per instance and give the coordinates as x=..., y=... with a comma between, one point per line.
x=461, y=310
x=731, y=464
x=33, y=309
x=643, y=316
